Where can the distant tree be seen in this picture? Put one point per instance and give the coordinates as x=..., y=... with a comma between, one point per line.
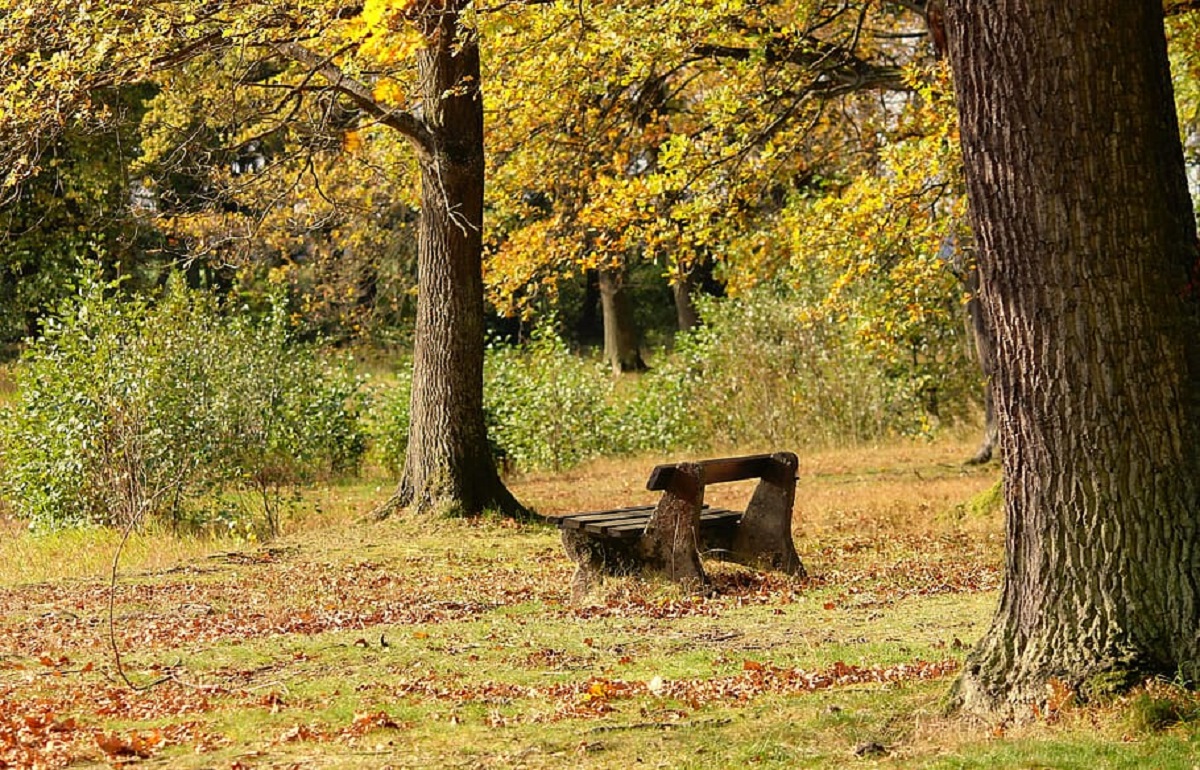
x=411, y=66
x=677, y=131
x=1087, y=263
x=77, y=204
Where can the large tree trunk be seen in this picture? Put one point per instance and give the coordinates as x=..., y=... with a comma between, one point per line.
x=622, y=348
x=448, y=466
x=1086, y=236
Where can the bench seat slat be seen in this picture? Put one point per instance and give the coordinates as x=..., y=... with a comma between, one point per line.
x=601, y=515
x=710, y=517
x=598, y=525
x=581, y=520
x=631, y=525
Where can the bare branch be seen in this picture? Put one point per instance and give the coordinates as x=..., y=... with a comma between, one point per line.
x=403, y=121
x=1177, y=7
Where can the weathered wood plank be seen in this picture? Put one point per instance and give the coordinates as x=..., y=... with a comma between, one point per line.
x=578, y=520
x=717, y=471
x=593, y=514
x=711, y=517
x=601, y=525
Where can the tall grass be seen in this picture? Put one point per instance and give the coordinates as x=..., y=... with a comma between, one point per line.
x=8, y=388
x=87, y=552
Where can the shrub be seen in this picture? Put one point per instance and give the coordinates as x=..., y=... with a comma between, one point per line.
x=547, y=407
x=127, y=409
x=661, y=411
x=759, y=372
x=389, y=419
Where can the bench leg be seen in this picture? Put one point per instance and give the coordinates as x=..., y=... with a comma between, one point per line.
x=582, y=582
x=597, y=557
x=764, y=537
x=672, y=539
x=668, y=546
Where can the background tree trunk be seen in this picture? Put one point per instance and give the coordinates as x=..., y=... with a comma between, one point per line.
x=686, y=316
x=985, y=352
x=621, y=345
x=448, y=466
x=1086, y=235
x=590, y=327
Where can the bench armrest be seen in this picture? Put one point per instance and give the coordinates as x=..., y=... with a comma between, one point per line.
x=720, y=470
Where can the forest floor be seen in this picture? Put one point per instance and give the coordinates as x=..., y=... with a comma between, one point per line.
x=437, y=644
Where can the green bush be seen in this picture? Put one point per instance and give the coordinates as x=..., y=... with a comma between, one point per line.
x=753, y=375
x=127, y=409
x=548, y=407
x=660, y=411
x=545, y=407
x=756, y=373
x=389, y=419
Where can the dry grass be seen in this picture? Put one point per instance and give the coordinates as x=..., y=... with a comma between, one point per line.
x=906, y=486
x=26, y=558
x=8, y=388
x=452, y=644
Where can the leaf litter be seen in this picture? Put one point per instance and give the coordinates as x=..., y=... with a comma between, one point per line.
x=57, y=706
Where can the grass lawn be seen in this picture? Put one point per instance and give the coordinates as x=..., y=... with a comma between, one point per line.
x=455, y=644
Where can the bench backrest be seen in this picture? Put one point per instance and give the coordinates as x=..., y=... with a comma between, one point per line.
x=719, y=470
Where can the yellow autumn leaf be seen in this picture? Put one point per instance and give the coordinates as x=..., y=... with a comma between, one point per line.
x=389, y=91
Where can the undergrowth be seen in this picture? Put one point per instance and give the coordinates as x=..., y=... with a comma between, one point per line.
x=753, y=374
x=131, y=411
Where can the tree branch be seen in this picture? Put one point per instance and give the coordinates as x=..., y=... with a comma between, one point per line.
x=409, y=125
x=1177, y=7
x=831, y=62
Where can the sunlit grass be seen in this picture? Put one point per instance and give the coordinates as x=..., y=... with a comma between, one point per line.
x=464, y=637
x=33, y=557
x=27, y=557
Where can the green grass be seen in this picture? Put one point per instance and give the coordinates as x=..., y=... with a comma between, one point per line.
x=453, y=644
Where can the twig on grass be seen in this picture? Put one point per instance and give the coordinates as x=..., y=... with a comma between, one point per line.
x=661, y=725
x=112, y=601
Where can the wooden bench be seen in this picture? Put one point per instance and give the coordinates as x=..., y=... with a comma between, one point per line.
x=670, y=537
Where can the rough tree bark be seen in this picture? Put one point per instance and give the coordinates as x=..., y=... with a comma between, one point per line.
x=448, y=466
x=622, y=348
x=1087, y=236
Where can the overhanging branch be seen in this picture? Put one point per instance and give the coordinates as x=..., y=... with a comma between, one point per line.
x=833, y=63
x=403, y=121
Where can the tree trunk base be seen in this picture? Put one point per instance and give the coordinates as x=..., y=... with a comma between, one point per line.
x=386, y=509
x=999, y=684
x=453, y=504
